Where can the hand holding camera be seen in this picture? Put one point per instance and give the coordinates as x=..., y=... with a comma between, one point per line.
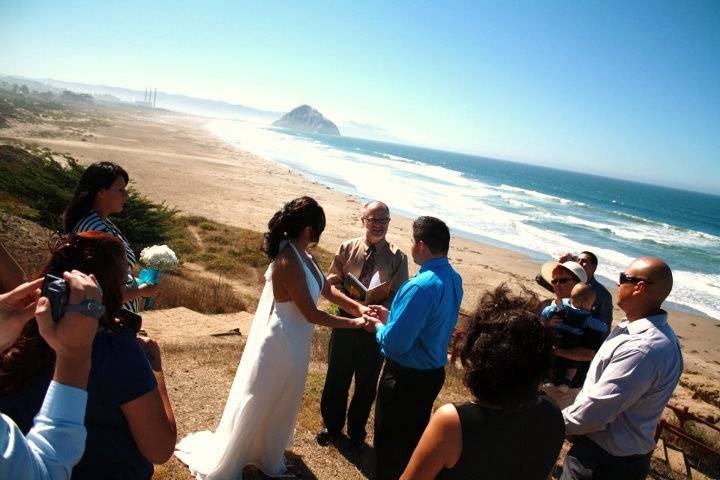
x=72, y=335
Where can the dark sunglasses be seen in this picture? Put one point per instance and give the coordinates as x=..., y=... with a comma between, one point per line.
x=560, y=281
x=625, y=278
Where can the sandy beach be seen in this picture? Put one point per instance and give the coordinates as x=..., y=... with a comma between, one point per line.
x=172, y=158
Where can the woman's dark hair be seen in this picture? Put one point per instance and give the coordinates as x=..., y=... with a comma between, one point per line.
x=507, y=350
x=96, y=177
x=289, y=222
x=96, y=253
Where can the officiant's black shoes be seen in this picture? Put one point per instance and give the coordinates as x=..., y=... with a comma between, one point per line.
x=325, y=437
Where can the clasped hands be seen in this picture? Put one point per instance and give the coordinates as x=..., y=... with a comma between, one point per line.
x=372, y=316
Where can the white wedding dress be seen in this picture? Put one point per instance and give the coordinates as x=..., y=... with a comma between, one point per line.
x=258, y=422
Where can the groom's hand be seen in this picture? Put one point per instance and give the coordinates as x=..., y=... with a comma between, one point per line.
x=371, y=323
x=379, y=312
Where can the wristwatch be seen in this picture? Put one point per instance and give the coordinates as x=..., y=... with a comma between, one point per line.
x=88, y=307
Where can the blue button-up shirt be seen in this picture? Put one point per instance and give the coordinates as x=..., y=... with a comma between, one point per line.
x=422, y=317
x=54, y=444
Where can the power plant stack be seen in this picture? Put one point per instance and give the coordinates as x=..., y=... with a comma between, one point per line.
x=150, y=98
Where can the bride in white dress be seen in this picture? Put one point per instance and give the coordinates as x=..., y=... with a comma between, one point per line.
x=258, y=422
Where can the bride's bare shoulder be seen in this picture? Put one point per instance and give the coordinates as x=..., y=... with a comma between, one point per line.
x=286, y=262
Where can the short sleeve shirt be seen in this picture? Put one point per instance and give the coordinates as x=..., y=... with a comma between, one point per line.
x=120, y=373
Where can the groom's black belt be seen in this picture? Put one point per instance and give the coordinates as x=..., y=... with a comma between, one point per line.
x=408, y=371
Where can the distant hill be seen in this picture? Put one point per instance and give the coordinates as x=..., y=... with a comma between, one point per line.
x=307, y=119
x=187, y=104
x=179, y=103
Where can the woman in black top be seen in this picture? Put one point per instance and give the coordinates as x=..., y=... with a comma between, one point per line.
x=508, y=431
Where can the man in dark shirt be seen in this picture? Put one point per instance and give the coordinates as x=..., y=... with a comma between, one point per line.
x=354, y=353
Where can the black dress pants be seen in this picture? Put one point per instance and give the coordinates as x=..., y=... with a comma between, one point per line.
x=586, y=460
x=403, y=409
x=351, y=352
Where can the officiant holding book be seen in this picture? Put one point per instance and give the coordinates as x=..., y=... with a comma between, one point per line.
x=370, y=270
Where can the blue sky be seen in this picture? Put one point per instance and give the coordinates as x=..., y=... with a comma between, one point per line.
x=624, y=89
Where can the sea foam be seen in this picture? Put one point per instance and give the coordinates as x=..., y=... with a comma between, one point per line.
x=517, y=217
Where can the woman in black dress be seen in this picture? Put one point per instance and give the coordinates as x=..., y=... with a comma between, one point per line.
x=509, y=430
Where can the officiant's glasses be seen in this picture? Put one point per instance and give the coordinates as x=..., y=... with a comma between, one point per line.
x=377, y=221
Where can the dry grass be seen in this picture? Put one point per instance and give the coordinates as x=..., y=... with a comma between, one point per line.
x=27, y=241
x=232, y=251
x=199, y=378
x=196, y=292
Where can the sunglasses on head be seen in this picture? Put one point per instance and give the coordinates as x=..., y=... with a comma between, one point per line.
x=560, y=281
x=625, y=278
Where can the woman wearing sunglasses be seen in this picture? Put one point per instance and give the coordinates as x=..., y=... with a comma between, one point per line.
x=563, y=277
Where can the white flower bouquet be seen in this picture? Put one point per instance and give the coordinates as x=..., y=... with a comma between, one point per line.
x=158, y=258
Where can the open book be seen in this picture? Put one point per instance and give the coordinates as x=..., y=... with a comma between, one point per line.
x=373, y=295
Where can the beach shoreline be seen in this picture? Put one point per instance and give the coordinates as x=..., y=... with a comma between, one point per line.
x=171, y=157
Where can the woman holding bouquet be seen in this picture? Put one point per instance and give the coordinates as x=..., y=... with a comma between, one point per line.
x=259, y=418
x=102, y=191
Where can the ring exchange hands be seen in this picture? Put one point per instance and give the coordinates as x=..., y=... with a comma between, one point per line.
x=377, y=315
x=71, y=337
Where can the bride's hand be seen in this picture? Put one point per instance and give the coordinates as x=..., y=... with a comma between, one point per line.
x=371, y=323
x=357, y=322
x=363, y=310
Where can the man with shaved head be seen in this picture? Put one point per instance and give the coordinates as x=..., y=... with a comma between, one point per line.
x=357, y=354
x=629, y=382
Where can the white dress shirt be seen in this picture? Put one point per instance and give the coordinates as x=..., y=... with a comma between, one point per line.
x=631, y=379
x=55, y=443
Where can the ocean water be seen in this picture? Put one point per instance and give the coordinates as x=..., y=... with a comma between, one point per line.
x=534, y=210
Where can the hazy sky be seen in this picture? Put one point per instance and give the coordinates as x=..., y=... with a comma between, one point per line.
x=625, y=89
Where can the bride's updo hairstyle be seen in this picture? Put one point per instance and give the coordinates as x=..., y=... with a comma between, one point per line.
x=289, y=222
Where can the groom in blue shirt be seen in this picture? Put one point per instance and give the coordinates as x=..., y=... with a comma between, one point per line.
x=413, y=337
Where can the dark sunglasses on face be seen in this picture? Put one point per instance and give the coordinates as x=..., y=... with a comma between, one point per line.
x=625, y=278
x=560, y=281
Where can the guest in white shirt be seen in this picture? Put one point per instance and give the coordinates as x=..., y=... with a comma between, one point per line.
x=630, y=381
x=57, y=439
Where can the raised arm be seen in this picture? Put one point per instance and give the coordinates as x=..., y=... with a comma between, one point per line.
x=57, y=439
